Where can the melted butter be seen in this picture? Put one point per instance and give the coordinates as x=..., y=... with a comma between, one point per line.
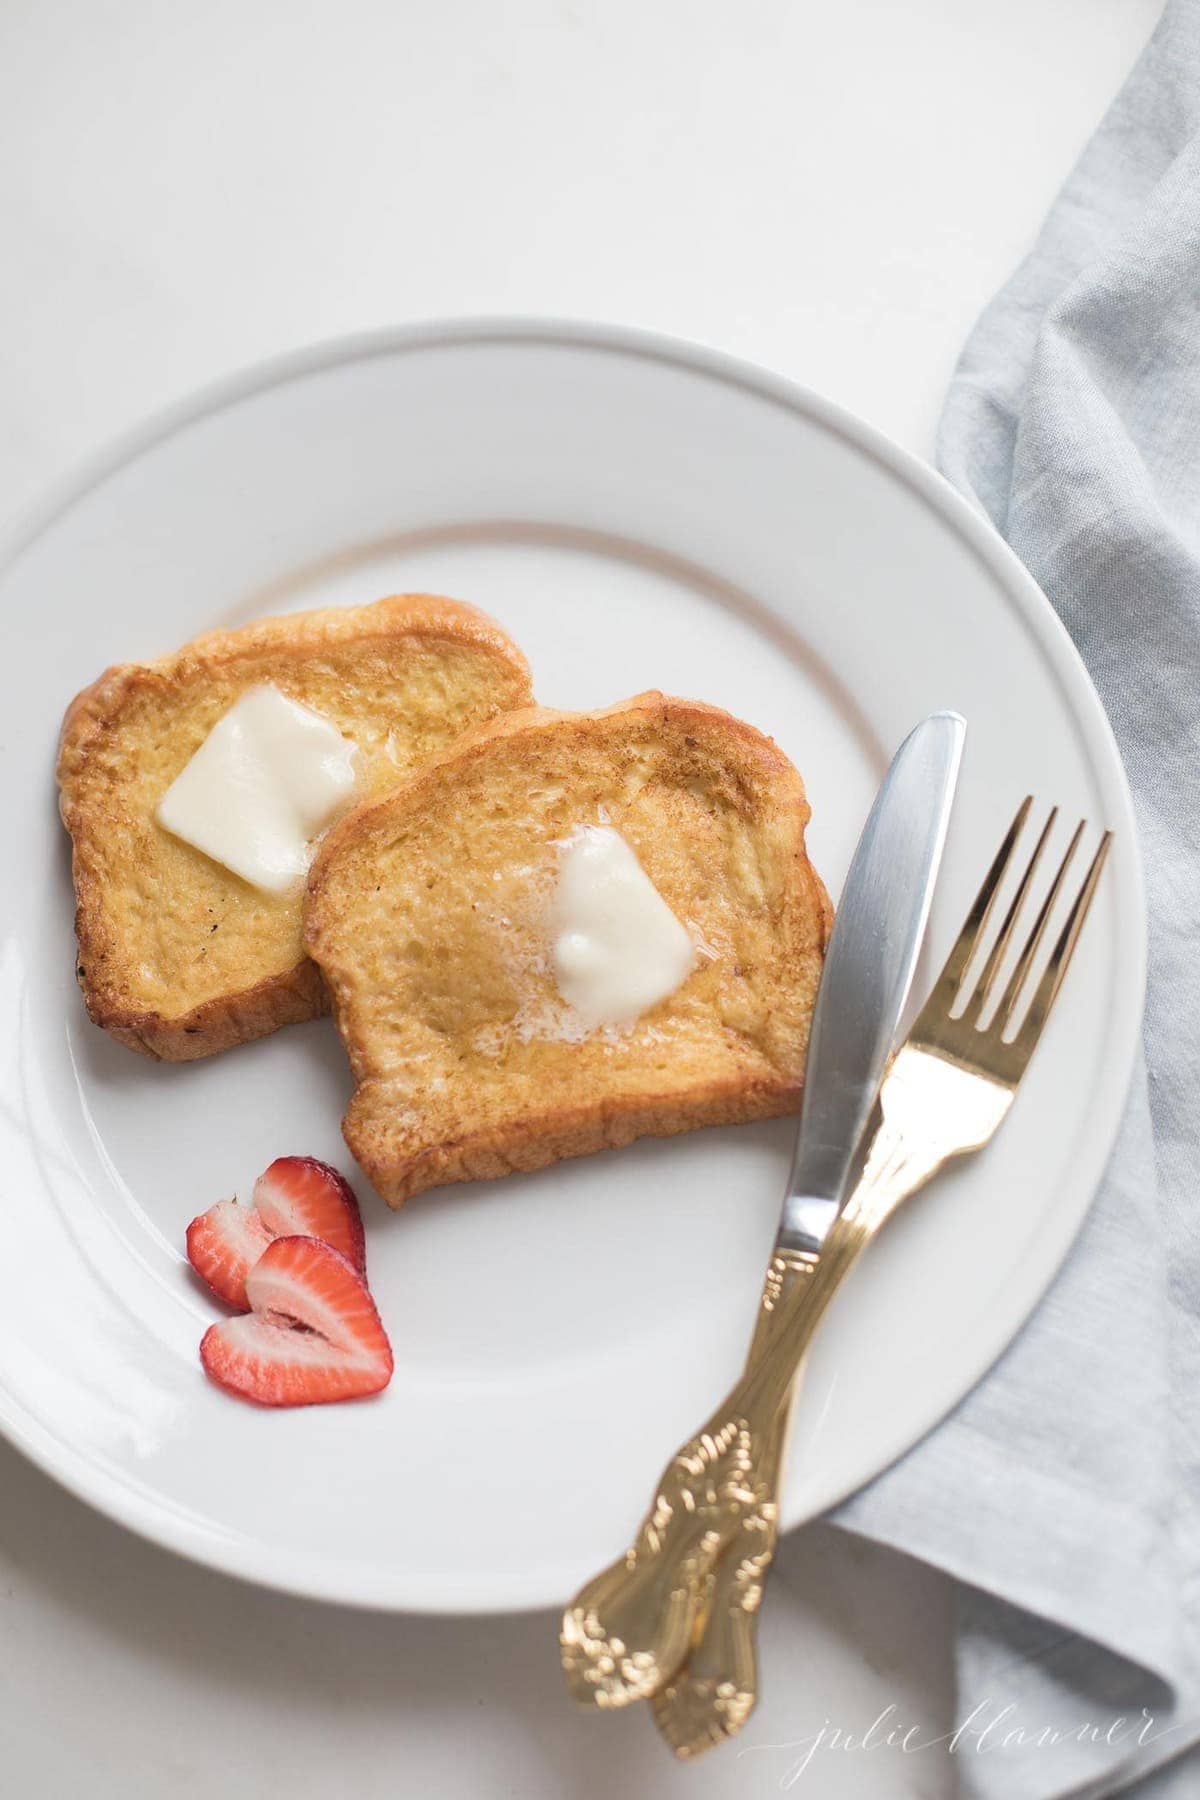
x=268, y=780
x=617, y=949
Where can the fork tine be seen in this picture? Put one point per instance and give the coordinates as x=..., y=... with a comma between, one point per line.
x=1006, y=1010
x=945, y=988
x=1047, y=988
x=991, y=968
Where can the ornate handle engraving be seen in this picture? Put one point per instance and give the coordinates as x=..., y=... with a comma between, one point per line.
x=713, y=1693
x=629, y=1629
x=628, y=1632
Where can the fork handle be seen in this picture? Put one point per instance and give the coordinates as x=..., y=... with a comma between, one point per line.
x=713, y=1693
x=628, y=1630
x=715, y=1690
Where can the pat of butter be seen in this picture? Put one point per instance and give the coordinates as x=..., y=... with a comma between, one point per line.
x=268, y=779
x=618, y=948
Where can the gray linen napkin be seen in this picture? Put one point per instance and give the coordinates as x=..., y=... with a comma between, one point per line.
x=1064, y=1493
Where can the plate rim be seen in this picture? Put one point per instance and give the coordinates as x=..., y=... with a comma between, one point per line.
x=293, y=1572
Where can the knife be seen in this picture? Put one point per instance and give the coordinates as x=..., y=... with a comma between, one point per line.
x=869, y=966
x=868, y=971
x=628, y=1631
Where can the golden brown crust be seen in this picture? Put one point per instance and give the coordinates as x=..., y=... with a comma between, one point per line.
x=96, y=707
x=711, y=779
x=655, y=708
x=560, y=1133
x=107, y=742
x=288, y=999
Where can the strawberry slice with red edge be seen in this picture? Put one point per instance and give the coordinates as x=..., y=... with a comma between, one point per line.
x=301, y=1197
x=223, y=1246
x=296, y=1197
x=313, y=1334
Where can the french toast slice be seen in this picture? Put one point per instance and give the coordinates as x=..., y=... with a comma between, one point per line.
x=427, y=914
x=179, y=957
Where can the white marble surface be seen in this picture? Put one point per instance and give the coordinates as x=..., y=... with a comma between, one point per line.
x=831, y=189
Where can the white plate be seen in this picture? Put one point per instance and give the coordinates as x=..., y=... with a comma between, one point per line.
x=638, y=513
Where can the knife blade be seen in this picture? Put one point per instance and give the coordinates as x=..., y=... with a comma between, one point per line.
x=869, y=965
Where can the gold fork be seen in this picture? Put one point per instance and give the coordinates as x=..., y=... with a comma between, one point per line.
x=702, y=1554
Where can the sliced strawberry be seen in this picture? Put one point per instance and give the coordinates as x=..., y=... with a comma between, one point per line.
x=313, y=1335
x=301, y=1197
x=223, y=1246
x=296, y=1197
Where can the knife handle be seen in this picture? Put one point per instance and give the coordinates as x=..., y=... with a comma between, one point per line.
x=713, y=1693
x=629, y=1629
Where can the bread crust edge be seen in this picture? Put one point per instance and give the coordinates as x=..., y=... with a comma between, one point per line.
x=219, y=1024
x=562, y=1133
